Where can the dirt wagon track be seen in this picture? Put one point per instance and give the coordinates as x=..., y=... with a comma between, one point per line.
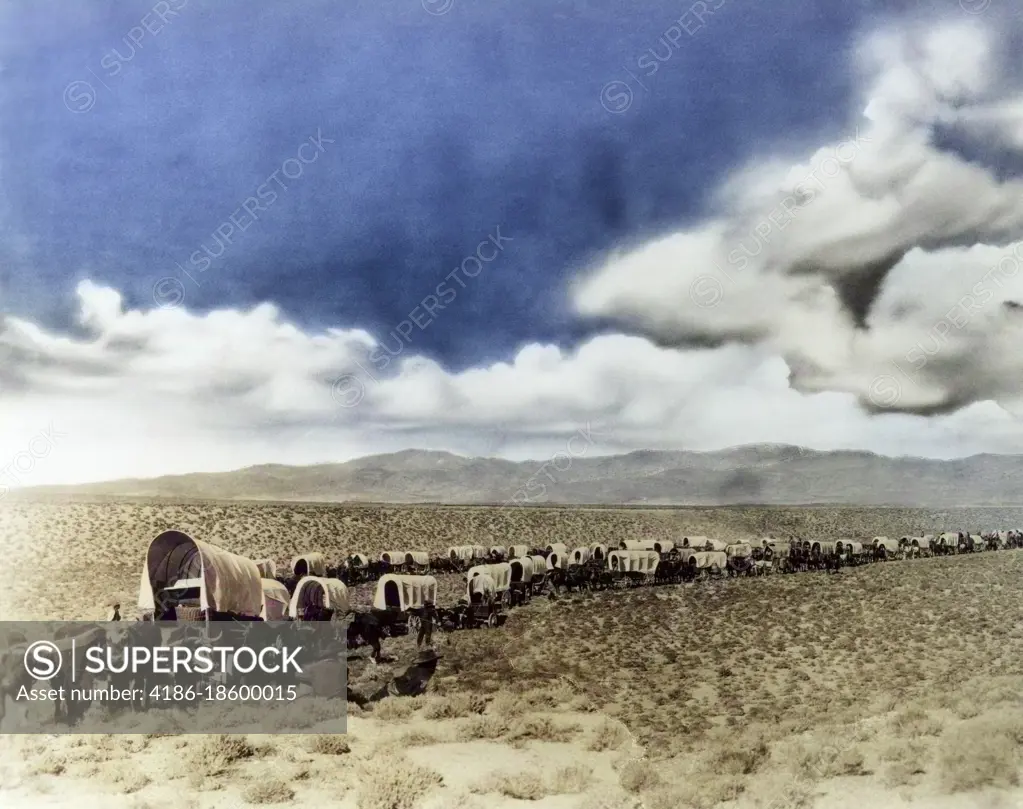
x=72, y=557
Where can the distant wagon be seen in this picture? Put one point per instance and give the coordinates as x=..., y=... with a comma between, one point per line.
x=539, y=573
x=884, y=547
x=399, y=599
x=518, y=551
x=707, y=562
x=637, y=545
x=580, y=556
x=316, y=596
x=483, y=602
x=193, y=575
x=308, y=564
x=461, y=555
x=500, y=573
x=599, y=552
x=560, y=548
x=521, y=579
x=633, y=565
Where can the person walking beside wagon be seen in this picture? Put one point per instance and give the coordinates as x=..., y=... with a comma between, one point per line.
x=426, y=623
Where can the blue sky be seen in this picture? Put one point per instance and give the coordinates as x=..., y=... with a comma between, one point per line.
x=365, y=150
x=445, y=127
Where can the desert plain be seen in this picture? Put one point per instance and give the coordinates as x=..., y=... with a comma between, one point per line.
x=891, y=684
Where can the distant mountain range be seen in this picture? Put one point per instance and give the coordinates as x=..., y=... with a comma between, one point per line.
x=767, y=474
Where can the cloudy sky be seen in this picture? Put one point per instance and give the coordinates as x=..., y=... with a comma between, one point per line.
x=307, y=231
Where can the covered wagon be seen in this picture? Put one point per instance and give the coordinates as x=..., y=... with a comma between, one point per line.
x=599, y=552
x=918, y=546
x=707, y=561
x=315, y=596
x=557, y=558
x=461, y=556
x=179, y=571
x=393, y=558
x=664, y=545
x=498, y=552
x=518, y=551
x=884, y=547
x=500, y=572
x=276, y=599
x=704, y=544
x=479, y=552
x=539, y=573
x=483, y=602
x=417, y=560
x=399, y=600
x=580, y=556
x=633, y=565
x=521, y=579
x=740, y=558
x=308, y=564
x=637, y=545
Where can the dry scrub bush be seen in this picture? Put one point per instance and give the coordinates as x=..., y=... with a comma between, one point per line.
x=396, y=708
x=541, y=729
x=981, y=753
x=572, y=779
x=608, y=735
x=637, y=775
x=454, y=706
x=49, y=765
x=483, y=727
x=215, y=755
x=272, y=790
x=741, y=759
x=525, y=786
x=328, y=745
x=393, y=782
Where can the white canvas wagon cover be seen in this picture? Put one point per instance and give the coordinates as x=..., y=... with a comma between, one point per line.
x=521, y=569
x=949, y=538
x=421, y=558
x=539, y=566
x=633, y=561
x=461, y=552
x=599, y=551
x=498, y=550
x=703, y=542
x=358, y=560
x=319, y=591
x=482, y=585
x=664, y=545
x=739, y=550
x=267, y=568
x=393, y=557
x=227, y=582
x=275, y=600
x=580, y=556
x=479, y=552
x=517, y=551
x=637, y=545
x=920, y=542
x=500, y=573
x=315, y=565
x=404, y=592
x=559, y=548
x=708, y=560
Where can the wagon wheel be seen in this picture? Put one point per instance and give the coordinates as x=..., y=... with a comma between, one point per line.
x=492, y=620
x=413, y=624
